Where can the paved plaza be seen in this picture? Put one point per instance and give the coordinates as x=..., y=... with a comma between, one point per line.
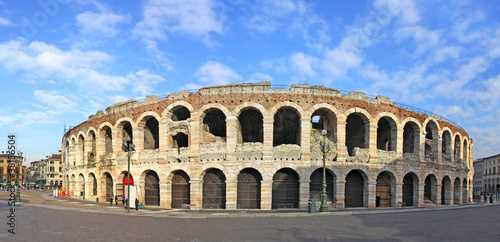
x=43, y=218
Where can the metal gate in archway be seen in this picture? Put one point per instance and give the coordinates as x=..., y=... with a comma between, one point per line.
x=383, y=190
x=408, y=190
x=180, y=189
x=109, y=187
x=152, y=189
x=354, y=184
x=428, y=189
x=285, y=189
x=214, y=189
x=249, y=181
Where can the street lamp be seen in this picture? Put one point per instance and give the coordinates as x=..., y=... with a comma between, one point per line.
x=325, y=148
x=128, y=147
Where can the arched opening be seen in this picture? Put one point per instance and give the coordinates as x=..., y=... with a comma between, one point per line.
x=410, y=186
x=180, y=189
x=411, y=138
x=108, y=140
x=456, y=193
x=81, y=150
x=446, y=146
x=354, y=189
x=316, y=185
x=251, y=126
x=81, y=188
x=286, y=127
x=152, y=189
x=285, y=189
x=180, y=140
x=464, y=192
x=431, y=141
x=121, y=188
x=248, y=196
x=214, y=125
x=214, y=189
x=109, y=186
x=386, y=134
x=127, y=134
x=383, y=190
x=446, y=191
x=356, y=132
x=430, y=189
x=457, y=149
x=466, y=149
x=324, y=119
x=151, y=134
x=94, y=184
x=92, y=152
x=180, y=113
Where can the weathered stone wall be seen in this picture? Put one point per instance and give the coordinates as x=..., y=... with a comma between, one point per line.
x=208, y=149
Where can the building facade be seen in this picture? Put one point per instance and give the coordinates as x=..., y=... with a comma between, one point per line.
x=478, y=177
x=490, y=171
x=4, y=163
x=249, y=146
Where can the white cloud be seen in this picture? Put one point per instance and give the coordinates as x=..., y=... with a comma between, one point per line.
x=5, y=22
x=143, y=82
x=259, y=77
x=192, y=18
x=54, y=100
x=39, y=60
x=303, y=64
x=216, y=73
x=102, y=24
x=337, y=62
x=404, y=10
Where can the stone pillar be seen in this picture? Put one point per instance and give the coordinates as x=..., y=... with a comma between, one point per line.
x=267, y=149
x=100, y=146
x=370, y=196
x=340, y=192
x=398, y=195
x=372, y=141
x=458, y=195
x=266, y=191
x=436, y=193
x=138, y=139
x=448, y=194
x=194, y=139
x=165, y=195
x=304, y=194
x=420, y=195
x=305, y=139
x=164, y=142
x=231, y=194
x=341, y=136
x=196, y=189
x=231, y=137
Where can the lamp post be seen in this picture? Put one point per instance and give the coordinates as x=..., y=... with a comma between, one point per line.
x=325, y=148
x=18, y=193
x=128, y=147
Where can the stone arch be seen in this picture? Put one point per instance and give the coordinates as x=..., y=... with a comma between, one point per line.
x=357, y=130
x=106, y=132
x=285, y=193
x=93, y=181
x=446, y=190
x=465, y=155
x=387, y=132
x=214, y=189
x=169, y=111
x=457, y=150
x=287, y=126
x=457, y=191
x=356, y=189
x=181, y=189
x=123, y=182
x=149, y=122
x=384, y=189
x=411, y=136
x=213, y=125
x=249, y=189
x=91, y=138
x=465, y=191
x=316, y=182
x=151, y=187
x=250, y=125
x=81, y=149
x=324, y=117
x=431, y=139
x=81, y=185
x=446, y=144
x=430, y=188
x=410, y=189
x=107, y=185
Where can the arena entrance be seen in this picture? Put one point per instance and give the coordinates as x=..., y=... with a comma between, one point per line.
x=285, y=189
x=383, y=190
x=315, y=186
x=354, y=184
x=214, y=189
x=152, y=189
x=408, y=190
x=180, y=189
x=109, y=187
x=249, y=181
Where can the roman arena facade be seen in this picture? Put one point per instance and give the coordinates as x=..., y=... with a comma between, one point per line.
x=255, y=146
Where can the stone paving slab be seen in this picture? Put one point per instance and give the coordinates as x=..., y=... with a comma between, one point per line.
x=43, y=199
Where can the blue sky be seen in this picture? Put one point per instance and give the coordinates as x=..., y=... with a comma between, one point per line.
x=62, y=60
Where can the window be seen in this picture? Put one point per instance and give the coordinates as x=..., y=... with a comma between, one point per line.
x=51, y=168
x=51, y=162
x=60, y=169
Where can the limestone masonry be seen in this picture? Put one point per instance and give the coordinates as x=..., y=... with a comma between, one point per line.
x=250, y=146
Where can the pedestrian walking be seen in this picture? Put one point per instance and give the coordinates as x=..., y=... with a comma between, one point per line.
x=136, y=204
